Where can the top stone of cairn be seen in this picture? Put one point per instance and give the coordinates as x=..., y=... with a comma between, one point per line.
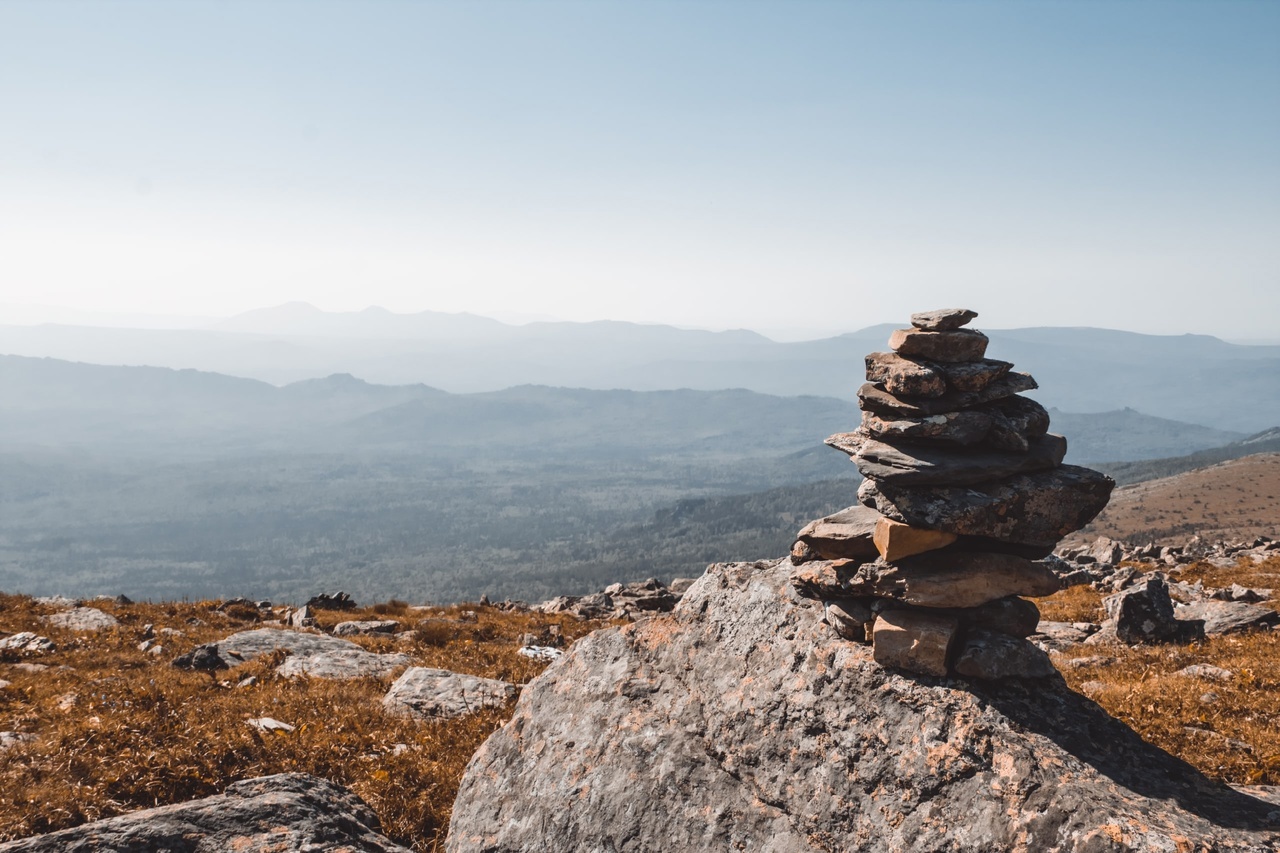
x=942, y=320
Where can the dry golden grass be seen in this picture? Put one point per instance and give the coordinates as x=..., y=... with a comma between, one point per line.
x=1229, y=729
x=117, y=729
x=139, y=733
x=1239, y=499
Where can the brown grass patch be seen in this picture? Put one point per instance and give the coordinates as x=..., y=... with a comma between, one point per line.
x=117, y=729
x=1229, y=730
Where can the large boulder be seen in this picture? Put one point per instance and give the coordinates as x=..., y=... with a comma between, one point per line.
x=742, y=722
x=287, y=813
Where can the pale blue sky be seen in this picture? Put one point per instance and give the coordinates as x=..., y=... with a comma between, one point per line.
x=769, y=165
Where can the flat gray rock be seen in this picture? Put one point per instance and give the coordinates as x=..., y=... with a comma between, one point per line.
x=846, y=534
x=960, y=428
x=368, y=626
x=932, y=465
x=1059, y=636
x=741, y=722
x=876, y=399
x=344, y=663
x=287, y=813
x=973, y=375
x=82, y=619
x=314, y=655
x=1229, y=617
x=1029, y=509
x=439, y=693
x=26, y=642
x=943, y=319
x=938, y=579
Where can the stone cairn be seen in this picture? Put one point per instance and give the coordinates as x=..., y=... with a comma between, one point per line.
x=965, y=495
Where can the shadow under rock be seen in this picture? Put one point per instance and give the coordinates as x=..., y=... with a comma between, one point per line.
x=1084, y=729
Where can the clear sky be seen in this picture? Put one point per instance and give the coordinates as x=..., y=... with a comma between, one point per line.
x=761, y=164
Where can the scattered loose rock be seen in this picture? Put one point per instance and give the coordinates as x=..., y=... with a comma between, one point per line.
x=371, y=626
x=1206, y=670
x=435, y=693
x=26, y=642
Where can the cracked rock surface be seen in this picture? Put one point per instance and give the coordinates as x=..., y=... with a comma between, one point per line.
x=286, y=813
x=741, y=721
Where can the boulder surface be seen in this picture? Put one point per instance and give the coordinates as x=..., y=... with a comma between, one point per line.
x=741, y=721
x=287, y=813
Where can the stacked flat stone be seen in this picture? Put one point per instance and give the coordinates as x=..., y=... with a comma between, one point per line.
x=964, y=493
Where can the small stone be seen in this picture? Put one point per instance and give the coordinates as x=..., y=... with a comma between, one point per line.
x=1206, y=670
x=851, y=618
x=1209, y=697
x=246, y=683
x=1092, y=688
x=1063, y=635
x=542, y=653
x=914, y=641
x=943, y=319
x=325, y=601
x=146, y=644
x=1105, y=551
x=949, y=346
x=993, y=656
x=67, y=701
x=973, y=375
x=905, y=376
x=963, y=428
x=8, y=740
x=205, y=658
x=268, y=724
x=4, y=684
x=302, y=618
x=849, y=533
x=876, y=399
x=895, y=540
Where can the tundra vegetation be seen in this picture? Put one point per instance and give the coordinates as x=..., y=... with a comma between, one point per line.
x=114, y=728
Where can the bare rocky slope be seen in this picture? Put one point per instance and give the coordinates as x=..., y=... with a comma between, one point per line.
x=740, y=721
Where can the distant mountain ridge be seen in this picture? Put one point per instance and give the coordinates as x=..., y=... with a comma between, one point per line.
x=1190, y=378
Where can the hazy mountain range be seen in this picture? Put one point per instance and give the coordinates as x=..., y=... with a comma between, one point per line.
x=170, y=483
x=1191, y=378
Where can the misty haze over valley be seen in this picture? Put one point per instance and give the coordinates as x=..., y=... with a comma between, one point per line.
x=441, y=457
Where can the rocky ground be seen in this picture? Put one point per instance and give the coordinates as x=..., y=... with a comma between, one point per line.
x=390, y=702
